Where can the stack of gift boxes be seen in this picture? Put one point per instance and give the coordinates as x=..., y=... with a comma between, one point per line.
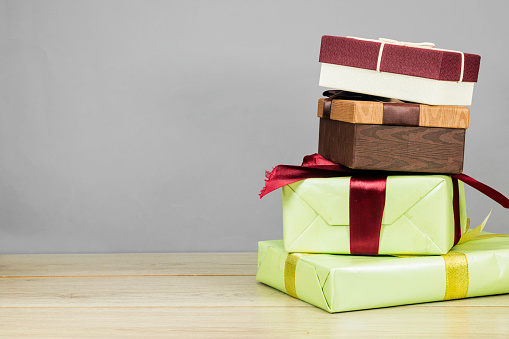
x=380, y=218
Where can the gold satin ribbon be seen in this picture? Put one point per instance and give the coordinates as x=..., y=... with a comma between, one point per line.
x=456, y=275
x=290, y=268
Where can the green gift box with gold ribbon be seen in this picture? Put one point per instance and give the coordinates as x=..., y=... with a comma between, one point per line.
x=338, y=283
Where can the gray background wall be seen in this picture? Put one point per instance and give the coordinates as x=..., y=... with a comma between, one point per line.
x=146, y=126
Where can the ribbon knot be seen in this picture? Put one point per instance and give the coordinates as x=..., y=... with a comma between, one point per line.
x=409, y=44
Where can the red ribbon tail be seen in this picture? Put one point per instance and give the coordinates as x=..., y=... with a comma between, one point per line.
x=267, y=187
x=456, y=210
x=283, y=175
x=485, y=189
x=317, y=161
x=313, y=166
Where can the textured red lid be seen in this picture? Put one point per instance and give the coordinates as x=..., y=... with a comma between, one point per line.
x=414, y=61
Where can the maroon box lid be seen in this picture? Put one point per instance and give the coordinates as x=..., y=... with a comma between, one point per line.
x=420, y=62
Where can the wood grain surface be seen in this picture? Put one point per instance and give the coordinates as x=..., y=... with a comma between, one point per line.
x=369, y=112
x=392, y=148
x=202, y=296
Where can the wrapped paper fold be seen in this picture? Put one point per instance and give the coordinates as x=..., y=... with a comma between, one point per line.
x=338, y=283
x=418, y=217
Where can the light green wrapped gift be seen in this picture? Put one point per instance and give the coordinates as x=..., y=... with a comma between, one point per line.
x=338, y=283
x=418, y=216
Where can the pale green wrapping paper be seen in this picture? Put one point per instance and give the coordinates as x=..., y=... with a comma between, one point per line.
x=338, y=283
x=418, y=216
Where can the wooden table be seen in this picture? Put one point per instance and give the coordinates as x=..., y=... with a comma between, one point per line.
x=202, y=296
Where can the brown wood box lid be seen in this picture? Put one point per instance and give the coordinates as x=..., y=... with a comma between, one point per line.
x=380, y=113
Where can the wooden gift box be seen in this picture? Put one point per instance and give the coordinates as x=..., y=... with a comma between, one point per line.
x=393, y=136
x=406, y=71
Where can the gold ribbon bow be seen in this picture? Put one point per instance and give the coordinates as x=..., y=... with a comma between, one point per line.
x=475, y=234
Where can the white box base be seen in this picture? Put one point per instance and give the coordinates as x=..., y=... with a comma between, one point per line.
x=397, y=86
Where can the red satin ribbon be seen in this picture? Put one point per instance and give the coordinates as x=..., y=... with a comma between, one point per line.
x=313, y=166
x=367, y=203
x=367, y=196
x=456, y=210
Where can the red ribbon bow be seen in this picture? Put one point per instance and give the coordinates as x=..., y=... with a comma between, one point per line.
x=367, y=194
